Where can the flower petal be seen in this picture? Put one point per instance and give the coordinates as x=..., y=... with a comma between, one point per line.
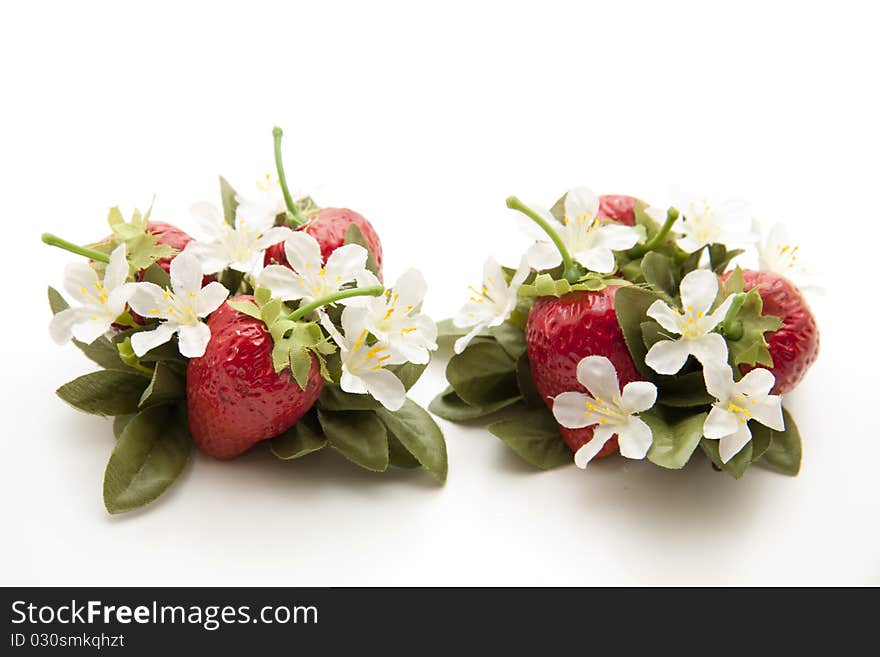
x=520, y=274
x=385, y=388
x=708, y=349
x=698, y=290
x=210, y=298
x=581, y=201
x=768, y=411
x=543, y=255
x=351, y=383
x=410, y=288
x=274, y=235
x=212, y=255
x=618, y=237
x=638, y=396
x=117, y=269
x=665, y=316
x=148, y=300
x=462, y=343
x=667, y=356
x=585, y=454
x=718, y=315
x=282, y=282
x=186, y=273
x=143, y=341
x=757, y=383
x=569, y=409
x=719, y=380
x=303, y=252
x=207, y=215
x=635, y=438
x=345, y=263
x=597, y=374
x=720, y=423
x=599, y=259
x=193, y=340
x=79, y=280
x=730, y=446
x=61, y=326
x=91, y=327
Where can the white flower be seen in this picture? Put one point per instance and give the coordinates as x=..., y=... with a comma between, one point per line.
x=182, y=308
x=701, y=223
x=777, y=254
x=363, y=366
x=308, y=278
x=491, y=304
x=103, y=301
x=607, y=407
x=588, y=240
x=737, y=403
x=264, y=206
x=241, y=247
x=395, y=320
x=694, y=323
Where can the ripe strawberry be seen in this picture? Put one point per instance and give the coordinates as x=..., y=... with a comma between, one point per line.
x=234, y=396
x=328, y=226
x=560, y=333
x=618, y=208
x=795, y=346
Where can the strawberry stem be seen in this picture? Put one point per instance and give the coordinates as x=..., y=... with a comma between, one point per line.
x=571, y=271
x=302, y=311
x=54, y=240
x=657, y=240
x=297, y=216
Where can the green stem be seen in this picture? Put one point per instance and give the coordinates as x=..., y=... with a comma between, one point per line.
x=658, y=239
x=298, y=217
x=302, y=311
x=571, y=271
x=54, y=240
x=731, y=327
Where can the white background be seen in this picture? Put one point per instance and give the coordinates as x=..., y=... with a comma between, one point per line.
x=424, y=119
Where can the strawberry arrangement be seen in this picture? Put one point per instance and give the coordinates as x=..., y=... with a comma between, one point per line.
x=275, y=327
x=628, y=328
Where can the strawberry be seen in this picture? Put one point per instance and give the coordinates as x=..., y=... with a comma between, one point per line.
x=328, y=226
x=560, y=332
x=619, y=208
x=235, y=398
x=795, y=346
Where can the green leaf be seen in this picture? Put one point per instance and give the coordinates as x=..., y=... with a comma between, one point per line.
x=419, y=434
x=150, y=454
x=333, y=398
x=229, y=201
x=107, y=392
x=511, y=338
x=660, y=272
x=248, y=308
x=631, y=305
x=302, y=438
x=675, y=437
x=483, y=374
x=408, y=373
x=354, y=235
x=752, y=347
x=156, y=275
x=526, y=383
x=56, y=301
x=558, y=209
x=684, y=390
x=358, y=435
x=166, y=386
x=119, y=424
x=735, y=467
x=784, y=453
x=762, y=438
x=535, y=437
x=399, y=457
x=720, y=257
x=450, y=406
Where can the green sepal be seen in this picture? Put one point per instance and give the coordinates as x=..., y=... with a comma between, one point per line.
x=354, y=235
x=483, y=374
x=417, y=432
x=752, y=347
x=142, y=248
x=229, y=200
x=165, y=386
x=735, y=467
x=676, y=436
x=535, y=437
x=450, y=406
x=151, y=452
x=358, y=435
x=784, y=452
x=301, y=439
x=106, y=392
x=248, y=308
x=545, y=285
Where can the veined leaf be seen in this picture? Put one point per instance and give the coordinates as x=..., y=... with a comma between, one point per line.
x=419, y=434
x=106, y=392
x=535, y=437
x=358, y=435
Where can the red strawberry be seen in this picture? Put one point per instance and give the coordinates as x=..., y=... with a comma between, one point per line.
x=795, y=346
x=619, y=208
x=328, y=226
x=560, y=333
x=234, y=396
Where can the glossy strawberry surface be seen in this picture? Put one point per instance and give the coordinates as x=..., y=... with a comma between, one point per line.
x=795, y=346
x=328, y=227
x=560, y=332
x=619, y=208
x=234, y=396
